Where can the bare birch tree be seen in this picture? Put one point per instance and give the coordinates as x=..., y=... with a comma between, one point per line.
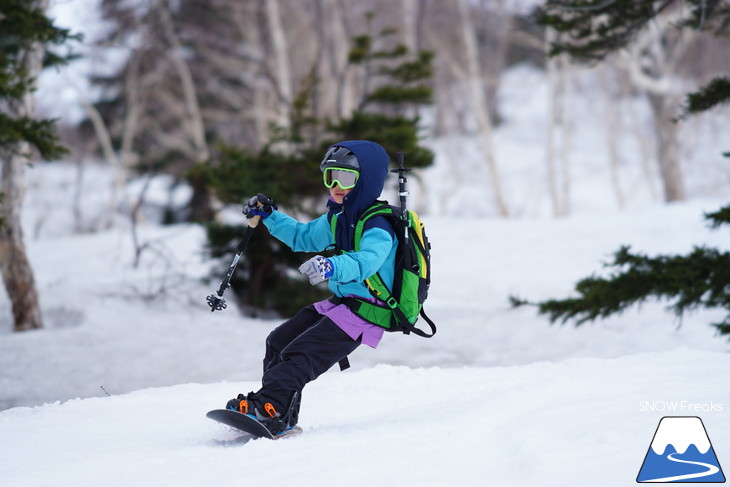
x=193, y=123
x=614, y=129
x=558, y=132
x=652, y=63
x=14, y=264
x=340, y=42
x=280, y=68
x=481, y=110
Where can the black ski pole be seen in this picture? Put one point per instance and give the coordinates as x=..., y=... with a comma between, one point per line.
x=216, y=301
x=402, y=192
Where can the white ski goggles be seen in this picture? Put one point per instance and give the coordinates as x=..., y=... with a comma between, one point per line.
x=345, y=178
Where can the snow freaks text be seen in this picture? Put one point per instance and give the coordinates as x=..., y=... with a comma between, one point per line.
x=681, y=407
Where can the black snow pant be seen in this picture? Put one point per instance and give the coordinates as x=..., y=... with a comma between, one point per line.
x=298, y=351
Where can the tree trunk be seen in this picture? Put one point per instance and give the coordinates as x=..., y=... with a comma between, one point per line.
x=194, y=124
x=14, y=265
x=280, y=61
x=346, y=83
x=497, y=51
x=245, y=17
x=667, y=148
x=559, y=133
x=202, y=206
x=638, y=130
x=410, y=18
x=614, y=129
x=481, y=110
x=652, y=64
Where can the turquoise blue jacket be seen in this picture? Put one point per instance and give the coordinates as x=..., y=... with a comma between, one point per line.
x=378, y=245
x=377, y=252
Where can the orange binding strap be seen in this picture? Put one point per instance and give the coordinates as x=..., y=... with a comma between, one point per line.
x=270, y=409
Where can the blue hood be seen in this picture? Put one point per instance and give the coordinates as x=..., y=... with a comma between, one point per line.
x=373, y=162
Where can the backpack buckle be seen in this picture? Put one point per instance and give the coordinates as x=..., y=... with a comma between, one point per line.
x=391, y=301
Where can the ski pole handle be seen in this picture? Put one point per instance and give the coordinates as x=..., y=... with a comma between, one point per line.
x=399, y=158
x=255, y=220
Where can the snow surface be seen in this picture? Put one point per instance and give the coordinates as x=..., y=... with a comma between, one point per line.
x=497, y=397
x=571, y=423
x=113, y=326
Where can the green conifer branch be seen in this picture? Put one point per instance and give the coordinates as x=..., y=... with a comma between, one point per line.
x=593, y=29
x=38, y=133
x=719, y=217
x=21, y=27
x=700, y=279
x=715, y=93
x=723, y=327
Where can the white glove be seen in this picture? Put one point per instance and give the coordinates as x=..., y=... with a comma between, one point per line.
x=317, y=269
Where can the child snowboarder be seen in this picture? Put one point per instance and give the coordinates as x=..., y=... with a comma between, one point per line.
x=324, y=333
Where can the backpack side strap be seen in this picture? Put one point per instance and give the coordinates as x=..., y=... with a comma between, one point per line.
x=400, y=318
x=344, y=364
x=409, y=328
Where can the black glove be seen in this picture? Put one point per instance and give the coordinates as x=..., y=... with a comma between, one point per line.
x=259, y=205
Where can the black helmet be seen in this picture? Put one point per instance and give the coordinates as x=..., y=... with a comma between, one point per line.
x=338, y=156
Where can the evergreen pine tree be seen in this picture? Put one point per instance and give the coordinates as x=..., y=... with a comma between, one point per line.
x=22, y=24
x=25, y=35
x=593, y=29
x=396, y=85
x=700, y=279
x=287, y=168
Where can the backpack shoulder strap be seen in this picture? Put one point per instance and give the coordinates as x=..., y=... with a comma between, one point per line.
x=333, y=224
x=377, y=208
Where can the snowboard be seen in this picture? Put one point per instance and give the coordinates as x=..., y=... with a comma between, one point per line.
x=248, y=424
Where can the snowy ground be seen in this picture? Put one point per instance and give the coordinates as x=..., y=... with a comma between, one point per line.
x=498, y=397
x=573, y=423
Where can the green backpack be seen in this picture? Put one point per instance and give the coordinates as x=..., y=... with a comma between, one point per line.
x=411, y=279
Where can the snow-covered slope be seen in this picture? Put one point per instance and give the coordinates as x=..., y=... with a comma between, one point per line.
x=573, y=423
x=498, y=397
x=123, y=329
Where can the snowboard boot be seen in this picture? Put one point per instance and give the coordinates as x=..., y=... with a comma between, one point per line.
x=263, y=412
